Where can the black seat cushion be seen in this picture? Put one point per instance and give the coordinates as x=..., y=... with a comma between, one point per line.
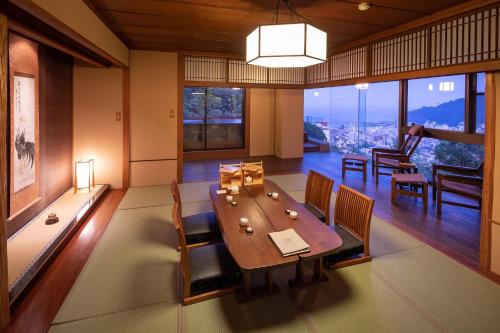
x=200, y=228
x=315, y=211
x=351, y=246
x=212, y=268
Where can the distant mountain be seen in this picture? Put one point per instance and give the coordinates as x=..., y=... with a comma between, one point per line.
x=450, y=113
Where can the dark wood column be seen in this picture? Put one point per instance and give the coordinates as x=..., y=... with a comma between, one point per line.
x=4, y=288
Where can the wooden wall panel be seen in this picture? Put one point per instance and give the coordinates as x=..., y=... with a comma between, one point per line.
x=55, y=131
x=4, y=288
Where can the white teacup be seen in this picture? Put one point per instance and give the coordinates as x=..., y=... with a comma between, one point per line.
x=229, y=198
x=248, y=179
x=234, y=189
x=243, y=222
x=294, y=215
x=275, y=195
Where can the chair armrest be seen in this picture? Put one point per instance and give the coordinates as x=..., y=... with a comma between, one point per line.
x=471, y=180
x=385, y=150
x=401, y=157
x=455, y=169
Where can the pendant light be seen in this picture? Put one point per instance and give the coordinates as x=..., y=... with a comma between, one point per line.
x=286, y=44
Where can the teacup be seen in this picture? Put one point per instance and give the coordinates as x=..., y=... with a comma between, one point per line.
x=229, y=198
x=248, y=179
x=234, y=189
x=294, y=215
x=243, y=222
x=275, y=195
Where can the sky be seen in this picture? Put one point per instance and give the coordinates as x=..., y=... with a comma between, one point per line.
x=382, y=98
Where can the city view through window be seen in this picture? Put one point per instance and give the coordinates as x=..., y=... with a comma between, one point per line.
x=355, y=119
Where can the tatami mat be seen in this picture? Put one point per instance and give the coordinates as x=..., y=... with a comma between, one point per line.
x=270, y=314
x=291, y=182
x=133, y=265
x=460, y=300
x=354, y=300
x=137, y=197
x=158, y=318
x=130, y=283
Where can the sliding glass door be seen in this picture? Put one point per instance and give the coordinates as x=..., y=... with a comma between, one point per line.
x=213, y=118
x=353, y=118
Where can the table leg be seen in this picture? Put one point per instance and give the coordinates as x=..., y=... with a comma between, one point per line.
x=247, y=284
x=250, y=292
x=317, y=276
x=269, y=281
x=425, y=190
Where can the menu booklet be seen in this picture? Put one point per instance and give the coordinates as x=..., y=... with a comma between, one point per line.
x=289, y=242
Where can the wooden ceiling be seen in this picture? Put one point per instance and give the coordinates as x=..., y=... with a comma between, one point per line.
x=221, y=26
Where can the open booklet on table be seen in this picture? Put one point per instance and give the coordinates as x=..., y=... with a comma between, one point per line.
x=289, y=242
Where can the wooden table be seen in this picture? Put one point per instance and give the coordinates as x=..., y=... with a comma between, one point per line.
x=256, y=252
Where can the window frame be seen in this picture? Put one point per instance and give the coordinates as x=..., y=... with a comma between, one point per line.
x=469, y=134
x=243, y=122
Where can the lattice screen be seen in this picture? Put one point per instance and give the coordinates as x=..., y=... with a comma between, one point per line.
x=348, y=65
x=205, y=69
x=470, y=38
x=286, y=75
x=467, y=38
x=318, y=73
x=241, y=72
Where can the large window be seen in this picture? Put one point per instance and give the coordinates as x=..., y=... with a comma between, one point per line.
x=213, y=118
x=353, y=118
x=479, y=102
x=437, y=102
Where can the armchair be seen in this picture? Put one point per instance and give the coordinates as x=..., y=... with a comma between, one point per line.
x=392, y=158
x=464, y=181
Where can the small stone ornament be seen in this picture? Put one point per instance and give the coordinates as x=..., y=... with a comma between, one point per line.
x=52, y=218
x=234, y=203
x=275, y=195
x=287, y=211
x=269, y=194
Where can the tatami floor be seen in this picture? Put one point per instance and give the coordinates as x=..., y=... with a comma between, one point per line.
x=131, y=283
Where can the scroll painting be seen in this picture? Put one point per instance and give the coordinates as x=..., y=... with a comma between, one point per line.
x=24, y=166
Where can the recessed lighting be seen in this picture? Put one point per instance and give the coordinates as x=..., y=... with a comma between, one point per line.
x=364, y=6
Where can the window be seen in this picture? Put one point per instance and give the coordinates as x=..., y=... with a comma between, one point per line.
x=437, y=102
x=432, y=151
x=353, y=118
x=213, y=118
x=479, y=102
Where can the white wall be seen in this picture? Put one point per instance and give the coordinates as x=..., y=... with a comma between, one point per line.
x=97, y=97
x=153, y=117
x=262, y=107
x=289, y=138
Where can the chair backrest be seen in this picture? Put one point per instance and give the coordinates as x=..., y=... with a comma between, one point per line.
x=414, y=136
x=175, y=193
x=353, y=211
x=184, y=262
x=319, y=192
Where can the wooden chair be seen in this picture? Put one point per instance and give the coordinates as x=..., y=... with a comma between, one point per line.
x=200, y=229
x=467, y=182
x=318, y=194
x=394, y=158
x=207, y=272
x=352, y=216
